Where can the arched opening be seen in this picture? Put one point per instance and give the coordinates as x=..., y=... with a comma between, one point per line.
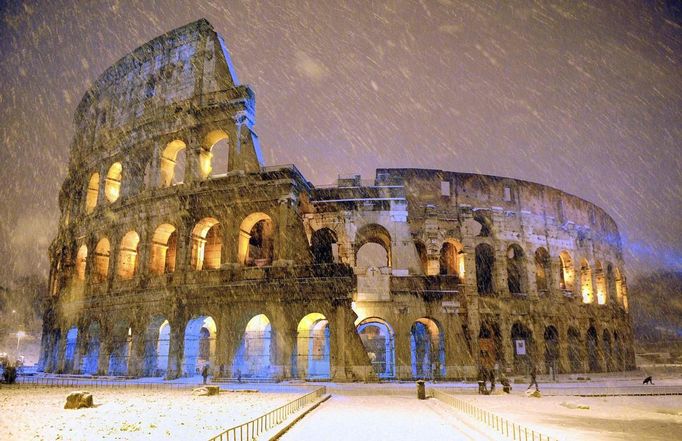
x=541, y=269
x=592, y=350
x=81, y=260
x=112, y=184
x=566, y=274
x=485, y=263
x=156, y=347
x=92, y=193
x=102, y=251
x=485, y=225
x=551, y=349
x=213, y=155
x=522, y=339
x=256, y=240
x=90, y=359
x=378, y=339
x=451, y=260
x=516, y=270
x=489, y=344
x=324, y=246
x=372, y=247
x=586, y=282
x=600, y=281
x=163, y=249
x=206, y=244
x=575, y=357
x=619, y=287
x=427, y=348
x=312, y=347
x=608, y=355
x=254, y=356
x=172, y=163
x=121, y=343
x=70, y=349
x=200, y=342
x=127, y=255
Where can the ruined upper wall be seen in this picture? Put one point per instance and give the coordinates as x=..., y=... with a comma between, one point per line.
x=182, y=65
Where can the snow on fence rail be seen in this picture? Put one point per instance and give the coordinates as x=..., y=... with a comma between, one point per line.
x=500, y=424
x=251, y=429
x=98, y=383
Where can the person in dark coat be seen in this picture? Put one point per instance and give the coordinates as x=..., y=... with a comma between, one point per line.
x=648, y=380
x=533, y=378
x=204, y=373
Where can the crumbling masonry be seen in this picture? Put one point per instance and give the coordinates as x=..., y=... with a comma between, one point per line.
x=178, y=248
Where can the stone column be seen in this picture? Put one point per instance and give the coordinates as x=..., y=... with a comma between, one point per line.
x=403, y=352
x=105, y=347
x=347, y=357
x=281, y=253
x=136, y=360
x=176, y=348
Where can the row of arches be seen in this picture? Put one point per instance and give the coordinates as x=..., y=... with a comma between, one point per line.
x=168, y=170
x=255, y=248
x=588, y=352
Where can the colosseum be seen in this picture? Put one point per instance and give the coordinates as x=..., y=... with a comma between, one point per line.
x=179, y=248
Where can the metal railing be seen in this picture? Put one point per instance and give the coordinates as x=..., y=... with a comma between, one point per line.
x=501, y=425
x=251, y=429
x=95, y=383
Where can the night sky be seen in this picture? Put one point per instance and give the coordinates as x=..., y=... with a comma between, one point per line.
x=582, y=96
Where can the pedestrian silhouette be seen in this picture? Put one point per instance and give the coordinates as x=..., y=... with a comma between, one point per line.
x=648, y=380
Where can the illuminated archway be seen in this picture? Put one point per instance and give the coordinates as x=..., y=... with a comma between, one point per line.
x=90, y=359
x=102, y=252
x=256, y=239
x=600, y=281
x=451, y=260
x=121, y=343
x=378, y=339
x=92, y=193
x=254, y=356
x=312, y=347
x=172, y=163
x=81, y=260
x=163, y=249
x=206, y=244
x=369, y=241
x=566, y=273
x=127, y=255
x=217, y=139
x=586, y=282
x=200, y=343
x=112, y=183
x=427, y=349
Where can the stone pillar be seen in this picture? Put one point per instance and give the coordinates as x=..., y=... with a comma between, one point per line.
x=81, y=348
x=136, y=360
x=403, y=352
x=284, y=340
x=230, y=230
x=176, y=349
x=459, y=362
x=347, y=357
x=507, y=343
x=228, y=341
x=192, y=153
x=105, y=347
x=281, y=248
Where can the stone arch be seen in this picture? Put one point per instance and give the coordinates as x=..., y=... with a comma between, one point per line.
x=156, y=347
x=206, y=244
x=255, y=353
x=378, y=339
x=485, y=269
x=312, y=347
x=127, y=255
x=542, y=269
x=112, y=183
x=371, y=256
x=427, y=349
x=586, y=282
x=172, y=163
x=422, y=254
x=102, y=254
x=575, y=357
x=81, y=262
x=90, y=360
x=324, y=245
x=600, y=282
x=214, y=140
x=451, y=262
x=256, y=240
x=200, y=345
x=163, y=249
x=551, y=337
x=592, y=344
x=486, y=224
x=92, y=193
x=566, y=272
x=70, y=349
x=516, y=269
x=121, y=344
x=522, y=339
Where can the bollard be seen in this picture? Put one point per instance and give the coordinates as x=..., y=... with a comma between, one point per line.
x=421, y=390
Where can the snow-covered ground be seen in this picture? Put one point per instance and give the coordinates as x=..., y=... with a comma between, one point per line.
x=28, y=413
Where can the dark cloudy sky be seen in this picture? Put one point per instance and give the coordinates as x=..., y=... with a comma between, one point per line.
x=580, y=95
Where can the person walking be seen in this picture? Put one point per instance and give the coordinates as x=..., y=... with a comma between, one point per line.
x=204, y=373
x=533, y=377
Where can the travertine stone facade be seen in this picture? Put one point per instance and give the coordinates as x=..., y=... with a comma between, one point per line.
x=159, y=269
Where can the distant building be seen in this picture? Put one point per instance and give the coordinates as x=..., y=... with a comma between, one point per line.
x=178, y=247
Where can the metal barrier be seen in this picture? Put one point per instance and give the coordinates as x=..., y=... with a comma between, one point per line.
x=96, y=383
x=499, y=424
x=251, y=429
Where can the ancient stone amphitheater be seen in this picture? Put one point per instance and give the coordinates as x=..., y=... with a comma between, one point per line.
x=177, y=248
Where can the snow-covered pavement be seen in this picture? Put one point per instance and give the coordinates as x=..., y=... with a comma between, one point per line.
x=381, y=417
